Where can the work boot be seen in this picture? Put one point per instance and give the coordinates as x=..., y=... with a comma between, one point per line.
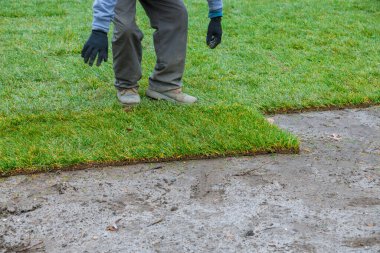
x=172, y=95
x=128, y=96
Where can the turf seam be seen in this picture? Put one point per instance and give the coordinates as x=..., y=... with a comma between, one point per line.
x=93, y=165
x=281, y=111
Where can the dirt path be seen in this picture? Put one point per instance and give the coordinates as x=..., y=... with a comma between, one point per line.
x=327, y=199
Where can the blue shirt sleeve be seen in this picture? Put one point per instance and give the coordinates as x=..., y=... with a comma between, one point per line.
x=215, y=8
x=103, y=14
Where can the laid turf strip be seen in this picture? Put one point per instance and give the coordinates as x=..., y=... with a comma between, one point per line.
x=143, y=134
x=275, y=56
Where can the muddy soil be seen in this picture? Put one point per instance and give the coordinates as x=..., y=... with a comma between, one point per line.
x=327, y=199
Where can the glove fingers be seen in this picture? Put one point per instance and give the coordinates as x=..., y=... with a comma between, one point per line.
x=92, y=57
x=218, y=40
x=106, y=56
x=208, y=38
x=214, y=42
x=101, y=57
x=84, y=50
x=87, y=54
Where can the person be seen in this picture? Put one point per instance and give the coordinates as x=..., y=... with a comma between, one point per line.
x=169, y=18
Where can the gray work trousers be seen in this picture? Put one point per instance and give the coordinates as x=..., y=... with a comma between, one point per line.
x=169, y=19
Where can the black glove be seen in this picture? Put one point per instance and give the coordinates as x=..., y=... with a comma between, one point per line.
x=96, y=45
x=214, y=33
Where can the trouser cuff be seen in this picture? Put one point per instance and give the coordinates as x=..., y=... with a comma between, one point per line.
x=163, y=87
x=125, y=85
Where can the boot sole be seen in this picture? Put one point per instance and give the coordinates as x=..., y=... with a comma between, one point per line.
x=159, y=96
x=129, y=104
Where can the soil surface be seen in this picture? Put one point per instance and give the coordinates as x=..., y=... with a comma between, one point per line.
x=327, y=199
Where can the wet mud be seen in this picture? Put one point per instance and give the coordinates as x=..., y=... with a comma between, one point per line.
x=325, y=199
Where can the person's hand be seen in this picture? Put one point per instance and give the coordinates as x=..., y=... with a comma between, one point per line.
x=96, y=45
x=214, y=33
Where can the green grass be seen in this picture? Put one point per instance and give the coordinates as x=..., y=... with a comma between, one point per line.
x=276, y=55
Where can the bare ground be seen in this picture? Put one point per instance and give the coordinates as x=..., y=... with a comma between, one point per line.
x=327, y=199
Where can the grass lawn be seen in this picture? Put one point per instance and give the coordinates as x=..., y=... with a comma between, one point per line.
x=275, y=56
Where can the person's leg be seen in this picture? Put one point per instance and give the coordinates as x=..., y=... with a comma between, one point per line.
x=169, y=18
x=126, y=45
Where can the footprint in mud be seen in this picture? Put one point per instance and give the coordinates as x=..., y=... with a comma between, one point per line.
x=131, y=201
x=62, y=188
x=29, y=247
x=17, y=208
x=296, y=247
x=363, y=241
x=364, y=202
x=256, y=176
x=206, y=188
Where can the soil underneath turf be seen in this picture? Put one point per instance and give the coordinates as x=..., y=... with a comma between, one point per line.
x=327, y=199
